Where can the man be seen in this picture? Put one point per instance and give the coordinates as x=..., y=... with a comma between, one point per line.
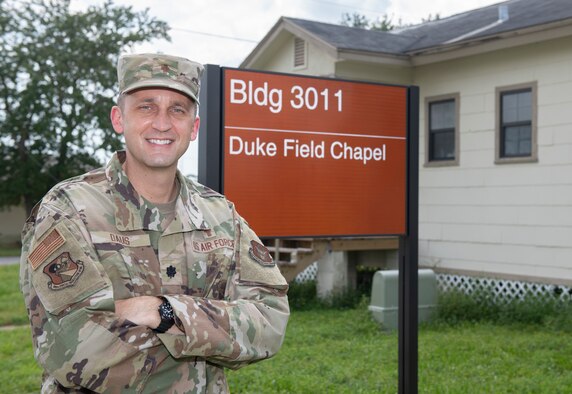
x=137, y=279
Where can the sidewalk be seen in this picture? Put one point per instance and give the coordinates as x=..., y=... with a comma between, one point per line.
x=9, y=260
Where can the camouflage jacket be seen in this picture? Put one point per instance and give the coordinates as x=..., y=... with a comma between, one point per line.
x=90, y=242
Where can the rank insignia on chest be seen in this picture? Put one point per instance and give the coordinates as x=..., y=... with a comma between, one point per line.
x=171, y=271
x=260, y=254
x=63, y=271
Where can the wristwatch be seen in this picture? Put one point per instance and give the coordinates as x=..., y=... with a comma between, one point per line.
x=167, y=316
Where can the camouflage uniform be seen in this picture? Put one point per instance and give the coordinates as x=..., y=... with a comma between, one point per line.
x=93, y=240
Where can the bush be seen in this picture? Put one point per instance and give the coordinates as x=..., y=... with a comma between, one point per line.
x=455, y=306
x=304, y=296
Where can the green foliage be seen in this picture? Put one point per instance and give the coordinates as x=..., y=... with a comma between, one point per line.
x=9, y=251
x=363, y=22
x=12, y=307
x=384, y=24
x=56, y=89
x=303, y=296
x=455, y=307
x=347, y=299
x=431, y=18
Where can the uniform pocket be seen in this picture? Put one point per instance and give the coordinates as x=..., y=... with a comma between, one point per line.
x=129, y=261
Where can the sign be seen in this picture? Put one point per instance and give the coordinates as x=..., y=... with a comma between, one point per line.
x=315, y=157
x=312, y=157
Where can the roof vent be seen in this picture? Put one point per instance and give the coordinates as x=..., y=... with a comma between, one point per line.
x=299, y=52
x=503, y=13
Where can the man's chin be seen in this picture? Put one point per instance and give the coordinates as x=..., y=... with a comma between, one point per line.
x=160, y=162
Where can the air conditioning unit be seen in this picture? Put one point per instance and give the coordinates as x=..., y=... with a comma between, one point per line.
x=385, y=300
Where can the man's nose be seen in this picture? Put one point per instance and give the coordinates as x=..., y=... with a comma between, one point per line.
x=162, y=121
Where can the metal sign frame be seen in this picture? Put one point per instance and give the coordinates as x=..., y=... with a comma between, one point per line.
x=210, y=173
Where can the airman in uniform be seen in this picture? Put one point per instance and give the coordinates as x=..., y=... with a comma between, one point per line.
x=137, y=279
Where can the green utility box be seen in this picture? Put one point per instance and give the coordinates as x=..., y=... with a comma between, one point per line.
x=384, y=296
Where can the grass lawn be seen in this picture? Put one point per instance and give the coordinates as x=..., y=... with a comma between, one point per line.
x=12, y=308
x=20, y=373
x=335, y=351
x=344, y=352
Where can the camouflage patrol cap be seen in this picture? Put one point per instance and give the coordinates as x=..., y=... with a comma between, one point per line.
x=149, y=70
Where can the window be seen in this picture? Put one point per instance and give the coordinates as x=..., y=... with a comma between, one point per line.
x=299, y=52
x=442, y=136
x=516, y=124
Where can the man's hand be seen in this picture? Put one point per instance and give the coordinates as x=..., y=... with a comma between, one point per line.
x=142, y=311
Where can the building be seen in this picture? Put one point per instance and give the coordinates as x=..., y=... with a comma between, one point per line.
x=495, y=127
x=11, y=223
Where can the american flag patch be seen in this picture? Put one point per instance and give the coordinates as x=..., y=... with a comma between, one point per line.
x=48, y=246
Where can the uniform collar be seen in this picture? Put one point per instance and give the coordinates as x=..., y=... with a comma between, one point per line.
x=132, y=212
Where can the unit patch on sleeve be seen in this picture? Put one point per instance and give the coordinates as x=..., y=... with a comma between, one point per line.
x=260, y=254
x=63, y=271
x=45, y=248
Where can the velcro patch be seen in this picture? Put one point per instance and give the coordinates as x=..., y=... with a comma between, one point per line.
x=45, y=248
x=212, y=244
x=260, y=254
x=133, y=240
x=63, y=271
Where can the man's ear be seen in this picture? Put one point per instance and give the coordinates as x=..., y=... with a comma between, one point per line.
x=117, y=119
x=196, y=126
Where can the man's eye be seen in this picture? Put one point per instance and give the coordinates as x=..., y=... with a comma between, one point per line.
x=145, y=107
x=179, y=110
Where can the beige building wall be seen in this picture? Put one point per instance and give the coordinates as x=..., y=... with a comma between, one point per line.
x=505, y=220
x=318, y=62
x=510, y=221
x=11, y=223
x=374, y=73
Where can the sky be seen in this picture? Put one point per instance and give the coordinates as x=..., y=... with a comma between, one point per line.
x=224, y=32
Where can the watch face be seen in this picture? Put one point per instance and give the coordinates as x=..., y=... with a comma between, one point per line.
x=166, y=310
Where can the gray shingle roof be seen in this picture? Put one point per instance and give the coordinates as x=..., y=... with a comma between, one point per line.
x=351, y=38
x=475, y=24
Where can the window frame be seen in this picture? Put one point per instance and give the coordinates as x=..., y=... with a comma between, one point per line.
x=456, y=98
x=499, y=91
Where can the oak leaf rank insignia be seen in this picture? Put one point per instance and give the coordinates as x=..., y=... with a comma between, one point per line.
x=171, y=271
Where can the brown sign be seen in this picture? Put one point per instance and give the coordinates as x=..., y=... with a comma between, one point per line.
x=315, y=157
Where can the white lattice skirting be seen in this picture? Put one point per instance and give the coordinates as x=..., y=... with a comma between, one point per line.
x=502, y=290
x=308, y=274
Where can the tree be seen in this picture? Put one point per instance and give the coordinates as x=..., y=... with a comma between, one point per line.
x=363, y=22
x=431, y=18
x=57, y=84
x=386, y=24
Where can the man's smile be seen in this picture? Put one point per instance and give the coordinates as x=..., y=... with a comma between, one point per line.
x=159, y=141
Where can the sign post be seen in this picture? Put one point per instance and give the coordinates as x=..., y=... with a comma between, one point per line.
x=305, y=157
x=408, y=258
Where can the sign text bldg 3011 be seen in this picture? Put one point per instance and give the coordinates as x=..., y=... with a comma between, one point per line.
x=315, y=157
